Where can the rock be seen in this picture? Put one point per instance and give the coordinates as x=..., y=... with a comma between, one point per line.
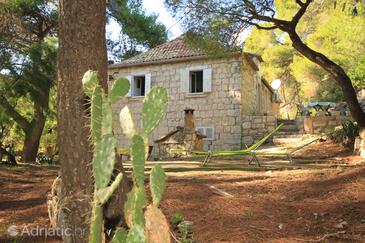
x=280, y=226
x=340, y=225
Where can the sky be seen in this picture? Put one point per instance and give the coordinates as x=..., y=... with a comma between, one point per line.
x=156, y=7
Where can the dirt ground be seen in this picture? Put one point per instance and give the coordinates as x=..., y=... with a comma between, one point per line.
x=284, y=205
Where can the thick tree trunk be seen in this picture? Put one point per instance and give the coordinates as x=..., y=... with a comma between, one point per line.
x=33, y=135
x=336, y=72
x=81, y=47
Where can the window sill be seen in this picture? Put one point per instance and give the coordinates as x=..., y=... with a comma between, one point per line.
x=196, y=95
x=136, y=98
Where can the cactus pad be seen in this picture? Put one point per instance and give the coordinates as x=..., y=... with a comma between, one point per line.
x=138, y=159
x=136, y=235
x=133, y=208
x=126, y=122
x=119, y=89
x=89, y=82
x=96, y=114
x=120, y=236
x=154, y=108
x=157, y=184
x=104, y=160
x=107, y=119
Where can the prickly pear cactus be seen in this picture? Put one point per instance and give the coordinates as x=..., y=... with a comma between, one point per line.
x=144, y=225
x=101, y=123
x=154, y=108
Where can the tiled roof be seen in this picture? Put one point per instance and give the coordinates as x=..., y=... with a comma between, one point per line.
x=173, y=50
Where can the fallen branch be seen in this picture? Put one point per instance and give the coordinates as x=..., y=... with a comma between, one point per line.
x=220, y=192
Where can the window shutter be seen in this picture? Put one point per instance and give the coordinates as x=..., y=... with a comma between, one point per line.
x=130, y=77
x=147, y=86
x=207, y=80
x=184, y=79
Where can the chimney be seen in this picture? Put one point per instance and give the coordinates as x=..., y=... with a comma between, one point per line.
x=189, y=120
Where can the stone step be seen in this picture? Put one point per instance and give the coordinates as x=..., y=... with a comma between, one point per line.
x=289, y=135
x=289, y=128
x=286, y=140
x=291, y=138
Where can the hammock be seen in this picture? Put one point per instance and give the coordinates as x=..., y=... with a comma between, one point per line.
x=248, y=151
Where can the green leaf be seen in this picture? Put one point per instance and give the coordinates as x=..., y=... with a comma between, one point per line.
x=96, y=114
x=138, y=160
x=104, y=160
x=89, y=82
x=120, y=236
x=157, y=183
x=126, y=122
x=136, y=235
x=119, y=89
x=154, y=108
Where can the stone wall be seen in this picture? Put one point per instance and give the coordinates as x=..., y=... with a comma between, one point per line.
x=321, y=124
x=220, y=108
x=256, y=127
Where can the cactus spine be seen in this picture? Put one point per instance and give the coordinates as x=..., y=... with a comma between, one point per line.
x=154, y=108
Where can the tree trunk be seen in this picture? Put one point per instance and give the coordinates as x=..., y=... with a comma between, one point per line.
x=81, y=47
x=336, y=72
x=33, y=135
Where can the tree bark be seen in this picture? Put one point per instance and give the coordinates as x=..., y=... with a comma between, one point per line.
x=82, y=46
x=336, y=72
x=33, y=135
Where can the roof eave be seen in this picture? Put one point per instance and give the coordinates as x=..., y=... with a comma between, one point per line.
x=172, y=60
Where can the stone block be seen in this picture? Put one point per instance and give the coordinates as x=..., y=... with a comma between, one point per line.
x=246, y=125
x=271, y=119
x=248, y=140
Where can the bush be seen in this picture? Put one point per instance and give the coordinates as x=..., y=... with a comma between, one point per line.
x=347, y=133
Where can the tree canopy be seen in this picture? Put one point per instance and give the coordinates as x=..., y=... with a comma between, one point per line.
x=331, y=31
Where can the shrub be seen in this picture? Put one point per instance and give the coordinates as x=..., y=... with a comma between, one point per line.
x=347, y=133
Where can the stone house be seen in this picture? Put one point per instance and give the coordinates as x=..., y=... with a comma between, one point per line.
x=222, y=91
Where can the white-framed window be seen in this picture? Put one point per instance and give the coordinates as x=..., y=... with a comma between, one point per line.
x=140, y=84
x=195, y=80
x=207, y=131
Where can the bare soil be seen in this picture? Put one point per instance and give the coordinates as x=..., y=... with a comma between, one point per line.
x=296, y=205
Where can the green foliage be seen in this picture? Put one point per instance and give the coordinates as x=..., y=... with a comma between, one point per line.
x=185, y=229
x=357, y=74
x=177, y=218
x=139, y=29
x=154, y=108
x=347, y=133
x=27, y=65
x=158, y=184
x=248, y=214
